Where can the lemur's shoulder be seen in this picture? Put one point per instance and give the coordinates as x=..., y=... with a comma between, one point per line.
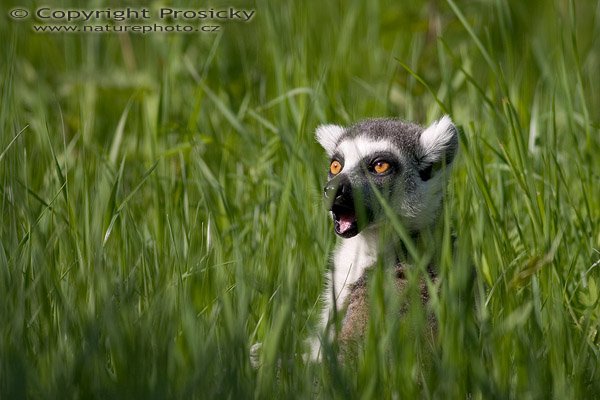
x=356, y=319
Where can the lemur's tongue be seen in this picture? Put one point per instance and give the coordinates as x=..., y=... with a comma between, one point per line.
x=345, y=222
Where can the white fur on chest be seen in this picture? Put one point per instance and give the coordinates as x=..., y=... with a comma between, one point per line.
x=352, y=257
x=350, y=260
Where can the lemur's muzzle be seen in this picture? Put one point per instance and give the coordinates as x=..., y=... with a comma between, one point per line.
x=338, y=192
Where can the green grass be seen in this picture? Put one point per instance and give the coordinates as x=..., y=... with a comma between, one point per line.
x=160, y=201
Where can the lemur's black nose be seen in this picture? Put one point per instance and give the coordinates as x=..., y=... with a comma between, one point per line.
x=338, y=189
x=330, y=190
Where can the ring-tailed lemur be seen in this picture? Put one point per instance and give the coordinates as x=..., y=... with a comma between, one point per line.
x=404, y=163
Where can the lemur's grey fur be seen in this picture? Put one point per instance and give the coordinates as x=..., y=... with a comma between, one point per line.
x=414, y=160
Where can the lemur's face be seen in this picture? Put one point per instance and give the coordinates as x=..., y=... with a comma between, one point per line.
x=385, y=161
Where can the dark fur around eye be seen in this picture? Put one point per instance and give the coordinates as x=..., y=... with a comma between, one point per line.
x=372, y=164
x=425, y=173
x=384, y=157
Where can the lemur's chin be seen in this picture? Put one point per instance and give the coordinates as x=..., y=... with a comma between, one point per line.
x=344, y=221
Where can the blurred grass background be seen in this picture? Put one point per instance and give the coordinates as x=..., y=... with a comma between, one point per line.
x=160, y=201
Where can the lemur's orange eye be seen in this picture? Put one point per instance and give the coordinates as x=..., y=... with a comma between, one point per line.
x=381, y=166
x=335, y=167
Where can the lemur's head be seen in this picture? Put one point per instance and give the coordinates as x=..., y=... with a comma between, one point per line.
x=403, y=161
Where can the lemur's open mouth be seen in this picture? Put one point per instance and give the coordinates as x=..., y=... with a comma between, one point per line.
x=344, y=220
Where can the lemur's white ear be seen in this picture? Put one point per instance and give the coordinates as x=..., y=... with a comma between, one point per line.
x=328, y=136
x=439, y=141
